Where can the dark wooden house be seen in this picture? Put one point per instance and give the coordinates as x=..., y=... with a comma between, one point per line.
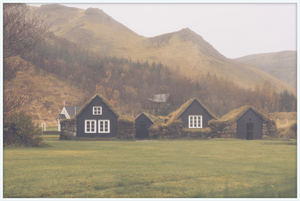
x=244, y=123
x=193, y=114
x=142, y=123
x=96, y=118
x=250, y=124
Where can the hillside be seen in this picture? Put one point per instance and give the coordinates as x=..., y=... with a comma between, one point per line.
x=47, y=92
x=183, y=50
x=282, y=65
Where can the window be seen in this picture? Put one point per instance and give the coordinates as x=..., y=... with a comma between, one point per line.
x=103, y=126
x=97, y=110
x=195, y=121
x=90, y=126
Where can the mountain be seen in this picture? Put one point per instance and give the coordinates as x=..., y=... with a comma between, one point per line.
x=183, y=50
x=282, y=65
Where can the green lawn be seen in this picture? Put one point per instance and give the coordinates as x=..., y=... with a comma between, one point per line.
x=54, y=128
x=163, y=169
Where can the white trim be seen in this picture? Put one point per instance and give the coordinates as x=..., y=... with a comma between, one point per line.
x=195, y=121
x=88, y=124
x=97, y=110
x=101, y=128
x=58, y=120
x=65, y=112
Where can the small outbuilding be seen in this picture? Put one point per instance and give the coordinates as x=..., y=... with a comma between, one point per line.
x=244, y=123
x=249, y=124
x=142, y=123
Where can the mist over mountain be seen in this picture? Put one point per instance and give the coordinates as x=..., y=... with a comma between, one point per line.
x=282, y=65
x=183, y=50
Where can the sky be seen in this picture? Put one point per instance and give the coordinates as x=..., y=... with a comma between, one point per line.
x=234, y=29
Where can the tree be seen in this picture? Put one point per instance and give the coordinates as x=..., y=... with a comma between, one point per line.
x=23, y=29
x=20, y=130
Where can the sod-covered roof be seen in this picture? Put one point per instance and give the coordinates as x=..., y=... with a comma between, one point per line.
x=176, y=114
x=235, y=114
x=104, y=100
x=154, y=119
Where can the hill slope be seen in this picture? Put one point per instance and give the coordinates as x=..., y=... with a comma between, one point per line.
x=184, y=50
x=282, y=65
x=47, y=92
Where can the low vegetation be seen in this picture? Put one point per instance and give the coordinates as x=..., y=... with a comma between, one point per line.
x=286, y=123
x=21, y=131
x=157, y=169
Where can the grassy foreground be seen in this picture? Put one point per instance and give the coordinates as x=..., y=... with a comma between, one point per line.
x=163, y=169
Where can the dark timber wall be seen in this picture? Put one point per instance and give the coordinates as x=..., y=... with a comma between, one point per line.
x=87, y=114
x=142, y=123
x=250, y=117
x=195, y=108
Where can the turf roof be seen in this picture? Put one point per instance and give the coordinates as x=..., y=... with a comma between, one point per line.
x=176, y=114
x=154, y=119
x=105, y=101
x=234, y=114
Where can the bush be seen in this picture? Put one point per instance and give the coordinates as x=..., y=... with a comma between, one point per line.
x=218, y=125
x=20, y=130
x=197, y=133
x=173, y=129
x=126, y=127
x=155, y=131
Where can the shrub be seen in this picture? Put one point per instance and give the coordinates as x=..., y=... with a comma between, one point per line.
x=126, y=127
x=155, y=131
x=20, y=130
x=197, y=133
x=173, y=129
x=218, y=125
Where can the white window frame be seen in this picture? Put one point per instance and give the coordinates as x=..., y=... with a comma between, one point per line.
x=108, y=126
x=194, y=118
x=90, y=123
x=96, y=109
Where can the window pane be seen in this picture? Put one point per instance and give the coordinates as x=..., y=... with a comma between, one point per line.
x=93, y=126
x=101, y=126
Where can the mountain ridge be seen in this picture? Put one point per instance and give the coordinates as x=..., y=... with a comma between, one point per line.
x=281, y=65
x=184, y=50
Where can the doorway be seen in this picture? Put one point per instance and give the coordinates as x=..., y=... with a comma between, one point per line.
x=142, y=131
x=249, y=131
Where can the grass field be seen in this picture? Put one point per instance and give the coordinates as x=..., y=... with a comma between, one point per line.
x=159, y=169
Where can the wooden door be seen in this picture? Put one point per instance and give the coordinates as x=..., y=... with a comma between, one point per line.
x=249, y=131
x=142, y=131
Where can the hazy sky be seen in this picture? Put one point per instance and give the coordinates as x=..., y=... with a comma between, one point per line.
x=235, y=30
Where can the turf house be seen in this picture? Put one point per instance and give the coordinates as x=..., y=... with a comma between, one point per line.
x=96, y=118
x=190, y=120
x=193, y=115
x=67, y=112
x=142, y=123
x=244, y=123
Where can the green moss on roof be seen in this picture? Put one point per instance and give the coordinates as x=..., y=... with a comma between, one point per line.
x=236, y=113
x=175, y=115
x=105, y=101
x=154, y=119
x=126, y=119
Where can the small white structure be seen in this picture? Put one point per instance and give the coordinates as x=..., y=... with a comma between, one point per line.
x=43, y=125
x=67, y=112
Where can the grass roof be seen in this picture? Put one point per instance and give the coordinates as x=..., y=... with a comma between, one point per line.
x=175, y=115
x=105, y=101
x=154, y=119
x=234, y=114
